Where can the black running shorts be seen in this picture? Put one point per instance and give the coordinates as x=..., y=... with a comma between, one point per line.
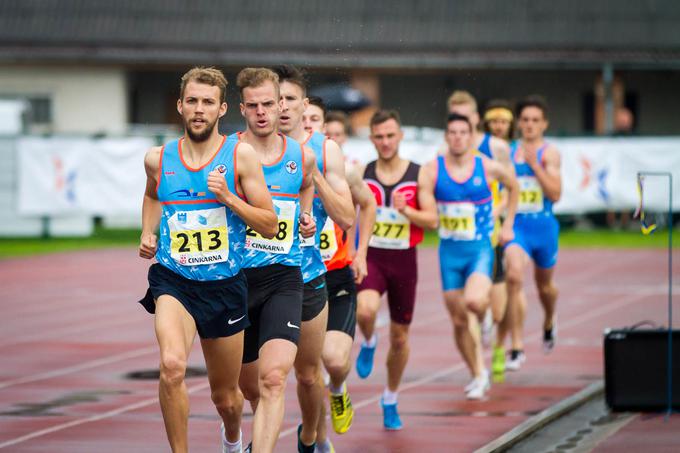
x=342, y=300
x=217, y=306
x=498, y=275
x=315, y=297
x=274, y=307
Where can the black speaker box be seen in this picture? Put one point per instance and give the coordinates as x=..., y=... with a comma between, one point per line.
x=635, y=369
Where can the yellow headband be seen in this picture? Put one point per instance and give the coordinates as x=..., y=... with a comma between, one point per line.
x=498, y=113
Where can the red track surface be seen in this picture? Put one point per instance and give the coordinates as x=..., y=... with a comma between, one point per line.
x=71, y=331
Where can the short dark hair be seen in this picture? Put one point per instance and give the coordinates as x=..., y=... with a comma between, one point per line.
x=533, y=100
x=288, y=73
x=381, y=116
x=456, y=117
x=338, y=117
x=316, y=100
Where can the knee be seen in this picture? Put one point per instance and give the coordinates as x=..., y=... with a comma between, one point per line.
x=308, y=377
x=399, y=341
x=336, y=362
x=228, y=401
x=474, y=304
x=514, y=277
x=546, y=289
x=250, y=390
x=460, y=321
x=364, y=314
x=172, y=369
x=272, y=383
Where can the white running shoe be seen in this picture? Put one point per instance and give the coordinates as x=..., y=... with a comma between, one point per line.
x=480, y=387
x=550, y=338
x=515, y=360
x=473, y=383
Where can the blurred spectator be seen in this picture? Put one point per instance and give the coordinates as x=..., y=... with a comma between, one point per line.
x=337, y=127
x=623, y=126
x=623, y=122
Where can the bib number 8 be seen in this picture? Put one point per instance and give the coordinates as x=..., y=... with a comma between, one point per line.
x=281, y=234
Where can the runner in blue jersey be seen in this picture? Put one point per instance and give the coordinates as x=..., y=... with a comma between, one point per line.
x=272, y=265
x=333, y=198
x=196, y=191
x=499, y=121
x=537, y=165
x=460, y=181
x=463, y=103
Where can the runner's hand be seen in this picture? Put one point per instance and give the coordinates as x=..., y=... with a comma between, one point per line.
x=399, y=201
x=359, y=267
x=147, y=246
x=307, y=225
x=531, y=158
x=218, y=185
x=506, y=234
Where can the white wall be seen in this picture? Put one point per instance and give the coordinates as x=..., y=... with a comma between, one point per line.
x=84, y=100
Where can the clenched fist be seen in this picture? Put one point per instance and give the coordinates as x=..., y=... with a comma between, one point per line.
x=148, y=245
x=218, y=185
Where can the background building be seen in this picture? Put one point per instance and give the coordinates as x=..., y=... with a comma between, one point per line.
x=100, y=66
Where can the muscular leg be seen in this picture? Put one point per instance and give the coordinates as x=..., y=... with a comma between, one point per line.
x=175, y=331
x=248, y=382
x=308, y=373
x=516, y=260
x=368, y=303
x=275, y=361
x=223, y=362
x=476, y=301
x=336, y=353
x=397, y=357
x=547, y=293
x=499, y=305
x=336, y=359
x=461, y=327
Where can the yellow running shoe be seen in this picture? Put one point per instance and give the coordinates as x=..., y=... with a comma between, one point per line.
x=342, y=411
x=498, y=365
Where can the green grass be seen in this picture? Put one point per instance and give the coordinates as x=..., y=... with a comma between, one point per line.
x=105, y=238
x=102, y=238
x=599, y=238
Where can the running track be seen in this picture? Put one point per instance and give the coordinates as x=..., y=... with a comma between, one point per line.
x=71, y=331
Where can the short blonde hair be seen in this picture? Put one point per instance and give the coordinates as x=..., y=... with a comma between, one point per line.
x=255, y=77
x=208, y=76
x=460, y=97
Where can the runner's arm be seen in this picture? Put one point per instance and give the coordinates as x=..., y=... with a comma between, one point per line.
x=333, y=188
x=363, y=197
x=258, y=211
x=151, y=206
x=501, y=173
x=501, y=153
x=548, y=175
x=426, y=216
x=307, y=224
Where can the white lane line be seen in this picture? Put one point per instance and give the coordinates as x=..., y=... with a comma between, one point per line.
x=94, y=418
x=80, y=367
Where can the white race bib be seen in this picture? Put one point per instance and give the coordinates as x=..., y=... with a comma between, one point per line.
x=199, y=237
x=392, y=230
x=530, y=195
x=457, y=221
x=328, y=243
x=283, y=241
